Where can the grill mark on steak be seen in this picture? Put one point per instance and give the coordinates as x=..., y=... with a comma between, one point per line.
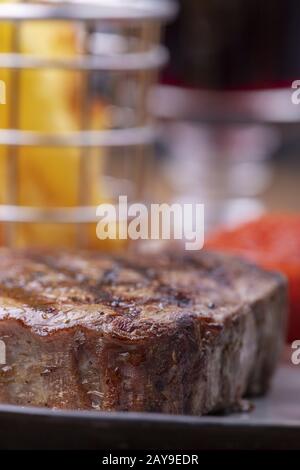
x=98, y=291
x=106, y=285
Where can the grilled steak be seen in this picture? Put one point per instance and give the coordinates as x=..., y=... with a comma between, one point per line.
x=168, y=333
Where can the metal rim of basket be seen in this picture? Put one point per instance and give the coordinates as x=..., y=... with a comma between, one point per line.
x=144, y=10
x=53, y=215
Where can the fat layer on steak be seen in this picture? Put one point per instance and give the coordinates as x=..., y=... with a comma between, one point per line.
x=172, y=333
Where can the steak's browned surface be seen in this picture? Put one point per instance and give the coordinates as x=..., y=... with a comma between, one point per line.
x=178, y=334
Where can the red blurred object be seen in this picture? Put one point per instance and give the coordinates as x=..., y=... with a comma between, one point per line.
x=273, y=242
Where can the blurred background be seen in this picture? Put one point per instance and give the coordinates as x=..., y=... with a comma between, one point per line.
x=225, y=103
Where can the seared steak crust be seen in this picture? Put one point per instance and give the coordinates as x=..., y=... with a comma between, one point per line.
x=172, y=333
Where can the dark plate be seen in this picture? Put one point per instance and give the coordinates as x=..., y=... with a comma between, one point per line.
x=273, y=424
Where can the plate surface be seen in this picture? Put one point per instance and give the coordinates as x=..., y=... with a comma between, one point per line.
x=273, y=424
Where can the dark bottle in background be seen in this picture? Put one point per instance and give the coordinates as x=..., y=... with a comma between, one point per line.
x=234, y=44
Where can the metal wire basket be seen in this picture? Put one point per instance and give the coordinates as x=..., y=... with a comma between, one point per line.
x=114, y=60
